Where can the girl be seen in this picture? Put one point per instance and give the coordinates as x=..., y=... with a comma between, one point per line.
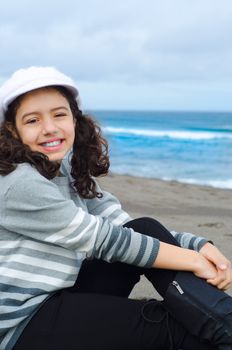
x=69, y=254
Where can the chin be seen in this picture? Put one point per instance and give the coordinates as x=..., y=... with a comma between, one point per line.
x=55, y=159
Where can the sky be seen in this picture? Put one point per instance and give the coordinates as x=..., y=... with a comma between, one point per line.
x=126, y=54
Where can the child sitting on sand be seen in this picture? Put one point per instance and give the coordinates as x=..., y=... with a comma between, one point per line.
x=70, y=255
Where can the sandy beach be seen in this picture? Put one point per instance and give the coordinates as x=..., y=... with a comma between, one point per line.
x=182, y=207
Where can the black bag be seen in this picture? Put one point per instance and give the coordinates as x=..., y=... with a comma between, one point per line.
x=204, y=310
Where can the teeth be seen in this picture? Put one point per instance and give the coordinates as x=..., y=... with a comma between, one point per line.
x=52, y=144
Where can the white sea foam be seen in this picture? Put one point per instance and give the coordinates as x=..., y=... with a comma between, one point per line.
x=193, y=135
x=125, y=170
x=226, y=184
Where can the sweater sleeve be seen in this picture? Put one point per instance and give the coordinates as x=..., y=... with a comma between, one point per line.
x=189, y=240
x=108, y=206
x=34, y=207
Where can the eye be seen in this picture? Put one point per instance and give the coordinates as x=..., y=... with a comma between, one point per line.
x=31, y=121
x=60, y=114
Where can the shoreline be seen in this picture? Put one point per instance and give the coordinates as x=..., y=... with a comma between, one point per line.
x=202, y=210
x=186, y=182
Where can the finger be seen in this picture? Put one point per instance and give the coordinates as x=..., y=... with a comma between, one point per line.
x=215, y=282
x=220, y=278
x=225, y=284
x=222, y=266
x=220, y=260
x=228, y=275
x=229, y=278
x=222, y=263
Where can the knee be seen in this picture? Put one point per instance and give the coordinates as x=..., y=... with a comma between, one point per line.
x=146, y=225
x=152, y=227
x=146, y=222
x=141, y=223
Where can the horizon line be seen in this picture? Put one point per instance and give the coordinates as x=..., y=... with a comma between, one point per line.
x=158, y=110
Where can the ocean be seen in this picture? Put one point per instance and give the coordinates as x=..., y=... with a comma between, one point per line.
x=189, y=147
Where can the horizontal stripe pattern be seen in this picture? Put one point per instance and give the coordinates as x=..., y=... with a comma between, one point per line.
x=38, y=249
x=46, y=230
x=188, y=240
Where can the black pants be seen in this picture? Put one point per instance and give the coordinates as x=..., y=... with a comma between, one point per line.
x=96, y=314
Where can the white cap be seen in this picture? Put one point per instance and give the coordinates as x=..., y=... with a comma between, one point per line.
x=25, y=80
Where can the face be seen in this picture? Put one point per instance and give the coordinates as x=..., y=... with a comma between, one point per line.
x=44, y=122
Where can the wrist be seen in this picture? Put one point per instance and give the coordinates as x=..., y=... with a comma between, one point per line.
x=176, y=258
x=195, y=261
x=206, y=246
x=203, y=243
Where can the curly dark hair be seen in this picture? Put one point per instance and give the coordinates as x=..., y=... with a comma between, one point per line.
x=90, y=150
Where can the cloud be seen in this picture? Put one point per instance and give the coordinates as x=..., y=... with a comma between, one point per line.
x=135, y=43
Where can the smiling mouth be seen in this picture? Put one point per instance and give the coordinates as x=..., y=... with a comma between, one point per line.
x=52, y=143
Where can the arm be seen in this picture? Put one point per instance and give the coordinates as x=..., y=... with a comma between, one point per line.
x=181, y=259
x=108, y=206
x=213, y=259
x=34, y=208
x=222, y=265
x=189, y=240
x=209, y=263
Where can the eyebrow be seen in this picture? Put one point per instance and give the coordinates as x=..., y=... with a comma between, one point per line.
x=35, y=112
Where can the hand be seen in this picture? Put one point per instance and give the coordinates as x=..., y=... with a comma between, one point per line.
x=204, y=268
x=223, y=278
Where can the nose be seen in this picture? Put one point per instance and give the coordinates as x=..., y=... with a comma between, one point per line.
x=49, y=126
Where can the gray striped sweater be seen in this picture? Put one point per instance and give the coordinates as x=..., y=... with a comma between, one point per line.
x=46, y=231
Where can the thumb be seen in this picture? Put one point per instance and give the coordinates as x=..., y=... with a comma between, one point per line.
x=221, y=266
x=218, y=262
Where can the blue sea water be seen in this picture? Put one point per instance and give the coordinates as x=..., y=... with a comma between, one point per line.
x=192, y=147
